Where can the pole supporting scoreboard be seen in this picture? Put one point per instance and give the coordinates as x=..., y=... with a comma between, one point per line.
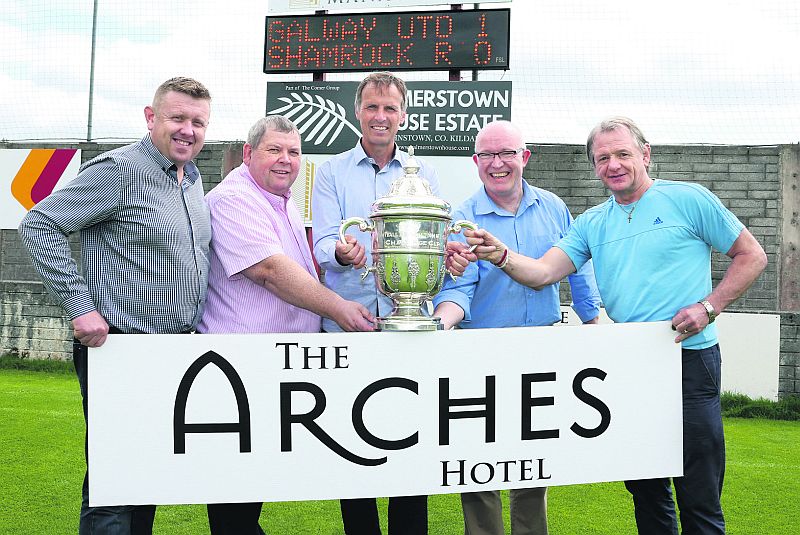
x=395, y=41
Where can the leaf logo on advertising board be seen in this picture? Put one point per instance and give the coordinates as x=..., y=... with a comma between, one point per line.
x=322, y=118
x=39, y=174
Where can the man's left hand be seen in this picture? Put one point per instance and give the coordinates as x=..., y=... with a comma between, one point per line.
x=689, y=321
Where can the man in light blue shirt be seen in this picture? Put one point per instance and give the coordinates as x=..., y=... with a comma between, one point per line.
x=651, y=247
x=346, y=186
x=530, y=220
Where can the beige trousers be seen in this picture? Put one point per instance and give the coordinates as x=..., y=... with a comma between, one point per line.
x=483, y=512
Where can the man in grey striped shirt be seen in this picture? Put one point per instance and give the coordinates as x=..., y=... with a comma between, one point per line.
x=144, y=232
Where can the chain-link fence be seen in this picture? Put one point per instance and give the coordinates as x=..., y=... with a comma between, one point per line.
x=716, y=71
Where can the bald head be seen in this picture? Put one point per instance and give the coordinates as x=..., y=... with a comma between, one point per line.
x=505, y=130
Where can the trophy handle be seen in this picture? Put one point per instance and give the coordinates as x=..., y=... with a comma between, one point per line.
x=363, y=226
x=456, y=227
x=367, y=271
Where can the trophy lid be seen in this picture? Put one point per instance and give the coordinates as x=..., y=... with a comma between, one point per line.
x=411, y=194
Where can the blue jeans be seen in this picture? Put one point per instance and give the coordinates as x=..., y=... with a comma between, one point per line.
x=698, y=491
x=110, y=520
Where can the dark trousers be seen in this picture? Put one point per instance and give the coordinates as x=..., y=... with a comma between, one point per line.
x=408, y=515
x=234, y=518
x=109, y=520
x=698, y=491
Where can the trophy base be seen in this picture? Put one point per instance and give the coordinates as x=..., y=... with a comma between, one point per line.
x=409, y=323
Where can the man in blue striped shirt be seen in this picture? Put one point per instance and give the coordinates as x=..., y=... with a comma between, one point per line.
x=144, y=233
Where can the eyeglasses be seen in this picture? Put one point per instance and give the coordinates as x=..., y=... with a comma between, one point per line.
x=505, y=155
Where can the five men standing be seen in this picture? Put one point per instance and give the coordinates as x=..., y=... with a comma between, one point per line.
x=145, y=233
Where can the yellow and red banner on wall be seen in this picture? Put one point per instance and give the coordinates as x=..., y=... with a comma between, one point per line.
x=29, y=175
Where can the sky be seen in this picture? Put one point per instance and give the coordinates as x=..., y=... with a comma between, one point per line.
x=713, y=71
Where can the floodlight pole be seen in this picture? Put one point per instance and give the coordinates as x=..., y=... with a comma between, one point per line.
x=91, y=74
x=319, y=76
x=475, y=71
x=454, y=75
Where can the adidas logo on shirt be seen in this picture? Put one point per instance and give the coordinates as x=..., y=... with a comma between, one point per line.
x=657, y=221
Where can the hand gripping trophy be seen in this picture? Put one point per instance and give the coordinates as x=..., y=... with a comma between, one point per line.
x=409, y=228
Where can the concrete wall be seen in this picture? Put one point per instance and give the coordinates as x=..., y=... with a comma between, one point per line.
x=759, y=184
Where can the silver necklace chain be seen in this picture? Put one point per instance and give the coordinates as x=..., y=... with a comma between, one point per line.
x=628, y=213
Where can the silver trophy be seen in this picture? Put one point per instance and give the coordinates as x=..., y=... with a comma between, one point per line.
x=409, y=227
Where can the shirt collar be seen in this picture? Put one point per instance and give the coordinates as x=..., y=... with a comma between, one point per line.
x=361, y=156
x=485, y=205
x=190, y=171
x=277, y=201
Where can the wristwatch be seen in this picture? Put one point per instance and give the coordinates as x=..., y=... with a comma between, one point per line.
x=712, y=314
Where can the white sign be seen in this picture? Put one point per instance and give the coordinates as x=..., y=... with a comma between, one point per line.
x=29, y=175
x=293, y=6
x=750, y=345
x=273, y=417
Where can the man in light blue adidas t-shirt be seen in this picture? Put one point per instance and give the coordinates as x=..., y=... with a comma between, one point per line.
x=651, y=248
